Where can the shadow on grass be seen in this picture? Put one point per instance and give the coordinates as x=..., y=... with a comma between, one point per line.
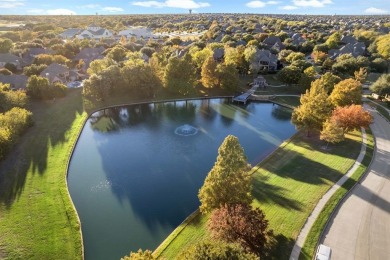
x=52, y=119
x=268, y=193
x=280, y=247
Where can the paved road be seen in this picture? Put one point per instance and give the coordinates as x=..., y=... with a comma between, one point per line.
x=360, y=228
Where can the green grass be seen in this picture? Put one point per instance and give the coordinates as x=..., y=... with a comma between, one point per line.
x=314, y=234
x=288, y=100
x=37, y=218
x=286, y=186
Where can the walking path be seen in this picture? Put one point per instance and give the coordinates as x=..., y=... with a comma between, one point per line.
x=321, y=203
x=360, y=227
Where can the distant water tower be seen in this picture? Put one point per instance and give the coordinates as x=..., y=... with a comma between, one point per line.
x=190, y=11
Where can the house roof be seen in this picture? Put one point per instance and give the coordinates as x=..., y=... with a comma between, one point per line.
x=70, y=32
x=54, y=70
x=16, y=81
x=9, y=58
x=90, y=53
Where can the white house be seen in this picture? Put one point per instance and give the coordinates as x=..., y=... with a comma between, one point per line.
x=138, y=32
x=94, y=32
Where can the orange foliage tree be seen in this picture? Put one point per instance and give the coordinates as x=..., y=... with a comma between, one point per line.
x=351, y=117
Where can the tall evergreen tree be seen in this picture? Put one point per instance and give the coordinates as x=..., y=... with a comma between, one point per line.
x=228, y=182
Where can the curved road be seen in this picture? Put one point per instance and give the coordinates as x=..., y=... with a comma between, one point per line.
x=360, y=228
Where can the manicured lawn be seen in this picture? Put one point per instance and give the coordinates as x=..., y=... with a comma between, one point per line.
x=37, y=219
x=286, y=186
x=309, y=247
x=288, y=100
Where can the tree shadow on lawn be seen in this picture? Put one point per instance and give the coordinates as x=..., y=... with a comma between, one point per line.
x=52, y=119
x=280, y=247
x=268, y=193
x=349, y=148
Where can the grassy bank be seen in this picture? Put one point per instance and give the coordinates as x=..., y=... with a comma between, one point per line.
x=286, y=186
x=309, y=247
x=37, y=218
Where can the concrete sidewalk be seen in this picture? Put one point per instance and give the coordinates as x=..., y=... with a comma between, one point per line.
x=321, y=203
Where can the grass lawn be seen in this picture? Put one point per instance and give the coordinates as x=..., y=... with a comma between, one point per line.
x=310, y=245
x=288, y=100
x=286, y=186
x=37, y=218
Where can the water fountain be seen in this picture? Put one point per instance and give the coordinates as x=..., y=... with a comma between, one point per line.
x=186, y=130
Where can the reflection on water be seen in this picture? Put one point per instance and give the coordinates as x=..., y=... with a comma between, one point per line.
x=133, y=178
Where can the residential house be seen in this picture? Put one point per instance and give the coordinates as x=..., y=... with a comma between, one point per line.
x=138, y=32
x=70, y=33
x=274, y=42
x=8, y=58
x=15, y=81
x=356, y=49
x=56, y=73
x=297, y=39
x=94, y=32
x=348, y=39
x=88, y=55
x=29, y=56
x=267, y=60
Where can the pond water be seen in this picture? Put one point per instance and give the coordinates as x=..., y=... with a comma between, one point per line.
x=136, y=170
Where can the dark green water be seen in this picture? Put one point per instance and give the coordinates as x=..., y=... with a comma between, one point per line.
x=134, y=175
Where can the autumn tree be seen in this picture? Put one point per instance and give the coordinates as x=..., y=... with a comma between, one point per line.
x=235, y=56
x=346, y=92
x=140, y=255
x=382, y=85
x=351, y=117
x=5, y=45
x=319, y=57
x=228, y=182
x=180, y=75
x=328, y=81
x=383, y=46
x=361, y=75
x=34, y=69
x=239, y=223
x=331, y=132
x=209, y=75
x=227, y=77
x=295, y=56
x=290, y=75
x=314, y=109
x=97, y=66
x=216, y=250
x=200, y=56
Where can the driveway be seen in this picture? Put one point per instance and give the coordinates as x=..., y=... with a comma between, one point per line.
x=360, y=228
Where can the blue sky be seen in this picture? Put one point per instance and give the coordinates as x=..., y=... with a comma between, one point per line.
x=83, y=7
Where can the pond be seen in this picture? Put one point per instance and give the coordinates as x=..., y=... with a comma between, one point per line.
x=136, y=170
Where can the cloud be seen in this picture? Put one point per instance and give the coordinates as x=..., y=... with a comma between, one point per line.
x=311, y=3
x=259, y=4
x=185, y=4
x=60, y=12
x=112, y=9
x=90, y=6
x=10, y=3
x=373, y=10
x=256, y=4
x=36, y=11
x=289, y=7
